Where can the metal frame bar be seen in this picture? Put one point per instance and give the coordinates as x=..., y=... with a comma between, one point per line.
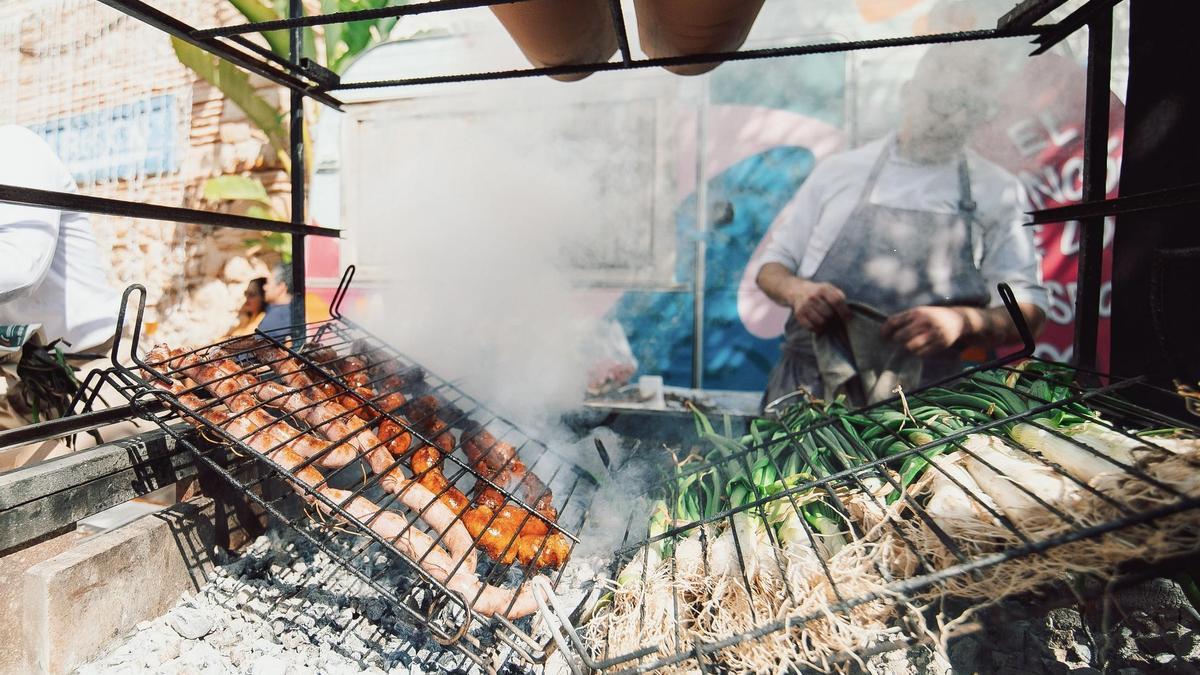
x=692, y=59
x=165, y=22
x=1028, y=12
x=1095, y=161
x=63, y=426
x=299, y=167
x=700, y=245
x=618, y=17
x=1081, y=17
x=71, y=201
x=1146, y=201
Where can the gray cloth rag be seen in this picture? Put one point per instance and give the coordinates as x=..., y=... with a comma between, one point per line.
x=857, y=362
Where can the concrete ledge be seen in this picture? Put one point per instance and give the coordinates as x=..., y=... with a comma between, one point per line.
x=41, y=499
x=77, y=602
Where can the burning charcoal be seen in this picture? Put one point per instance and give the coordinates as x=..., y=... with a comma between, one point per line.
x=1187, y=646
x=373, y=609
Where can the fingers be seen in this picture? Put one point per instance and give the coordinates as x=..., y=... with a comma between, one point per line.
x=820, y=304
x=809, y=320
x=912, y=329
x=821, y=308
x=895, y=323
x=836, y=300
x=921, y=344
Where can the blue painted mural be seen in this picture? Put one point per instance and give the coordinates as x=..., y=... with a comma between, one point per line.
x=744, y=200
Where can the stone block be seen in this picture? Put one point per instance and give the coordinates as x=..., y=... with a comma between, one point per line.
x=13, y=566
x=78, y=602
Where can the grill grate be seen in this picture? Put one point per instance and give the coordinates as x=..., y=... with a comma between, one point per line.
x=274, y=399
x=1135, y=508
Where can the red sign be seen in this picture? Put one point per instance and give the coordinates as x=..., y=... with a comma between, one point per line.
x=1039, y=138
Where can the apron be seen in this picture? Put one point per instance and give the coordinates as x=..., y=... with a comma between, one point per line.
x=891, y=259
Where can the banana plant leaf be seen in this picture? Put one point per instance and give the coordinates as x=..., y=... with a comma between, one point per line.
x=233, y=188
x=236, y=86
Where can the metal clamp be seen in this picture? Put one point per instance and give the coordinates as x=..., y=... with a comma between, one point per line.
x=553, y=613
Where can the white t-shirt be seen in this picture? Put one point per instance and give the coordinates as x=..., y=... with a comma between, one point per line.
x=51, y=270
x=1004, y=247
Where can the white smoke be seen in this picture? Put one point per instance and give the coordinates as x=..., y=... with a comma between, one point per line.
x=479, y=293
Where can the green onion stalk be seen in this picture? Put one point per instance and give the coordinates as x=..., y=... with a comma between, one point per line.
x=776, y=456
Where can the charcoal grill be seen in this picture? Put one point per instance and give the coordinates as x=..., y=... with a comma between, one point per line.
x=426, y=601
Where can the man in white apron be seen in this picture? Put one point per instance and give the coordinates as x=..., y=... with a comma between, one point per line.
x=907, y=236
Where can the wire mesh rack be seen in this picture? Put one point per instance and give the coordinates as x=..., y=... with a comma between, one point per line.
x=336, y=414
x=1000, y=480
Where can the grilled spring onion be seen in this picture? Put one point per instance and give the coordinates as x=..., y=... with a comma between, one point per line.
x=954, y=494
x=760, y=465
x=646, y=561
x=1070, y=435
x=1011, y=479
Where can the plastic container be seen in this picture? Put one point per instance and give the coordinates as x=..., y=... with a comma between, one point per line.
x=650, y=390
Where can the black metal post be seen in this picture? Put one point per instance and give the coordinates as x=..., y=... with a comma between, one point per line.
x=700, y=248
x=1095, y=161
x=296, y=133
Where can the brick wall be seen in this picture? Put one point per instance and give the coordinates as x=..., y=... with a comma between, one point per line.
x=66, y=60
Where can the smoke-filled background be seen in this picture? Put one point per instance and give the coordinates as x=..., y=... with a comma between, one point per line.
x=503, y=220
x=480, y=291
x=488, y=223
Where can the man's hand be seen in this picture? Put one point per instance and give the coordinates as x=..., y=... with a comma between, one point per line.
x=815, y=305
x=925, y=331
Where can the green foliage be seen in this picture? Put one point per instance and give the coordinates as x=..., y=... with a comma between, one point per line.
x=230, y=188
x=244, y=188
x=345, y=42
x=257, y=12
x=279, y=242
x=236, y=86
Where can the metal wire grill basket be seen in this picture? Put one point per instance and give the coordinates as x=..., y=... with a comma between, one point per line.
x=162, y=392
x=1135, y=507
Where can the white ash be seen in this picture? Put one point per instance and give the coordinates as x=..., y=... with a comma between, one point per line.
x=286, y=608
x=283, y=607
x=579, y=585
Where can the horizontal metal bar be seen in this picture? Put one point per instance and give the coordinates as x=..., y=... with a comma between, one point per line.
x=691, y=59
x=347, y=17
x=1058, y=32
x=265, y=53
x=44, y=431
x=1028, y=12
x=169, y=24
x=1145, y=201
x=70, y=201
